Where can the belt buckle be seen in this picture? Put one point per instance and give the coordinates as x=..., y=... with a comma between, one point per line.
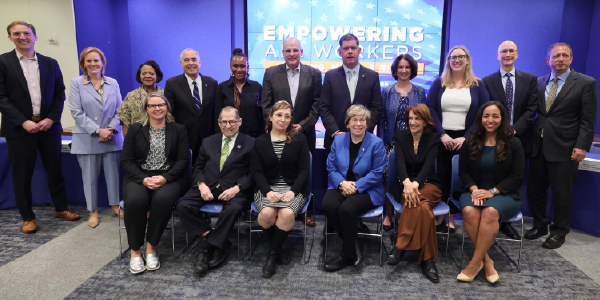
x=36, y=118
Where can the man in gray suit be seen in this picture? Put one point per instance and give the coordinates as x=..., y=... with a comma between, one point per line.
x=299, y=85
x=563, y=130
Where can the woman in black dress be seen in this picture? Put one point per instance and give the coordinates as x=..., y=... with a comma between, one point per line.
x=243, y=94
x=281, y=166
x=491, y=169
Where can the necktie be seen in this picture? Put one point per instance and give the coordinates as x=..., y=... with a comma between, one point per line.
x=551, y=97
x=197, y=97
x=509, y=96
x=224, y=153
x=351, y=85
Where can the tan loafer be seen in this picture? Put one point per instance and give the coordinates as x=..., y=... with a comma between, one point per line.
x=94, y=220
x=67, y=214
x=29, y=226
x=116, y=211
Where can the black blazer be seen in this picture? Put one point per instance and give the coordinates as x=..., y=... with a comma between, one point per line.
x=571, y=121
x=250, y=109
x=525, y=102
x=236, y=168
x=15, y=101
x=335, y=99
x=507, y=174
x=306, y=110
x=183, y=107
x=294, y=165
x=420, y=166
x=137, y=145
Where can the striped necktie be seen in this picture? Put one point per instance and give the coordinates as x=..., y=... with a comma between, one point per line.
x=224, y=153
x=197, y=97
x=551, y=97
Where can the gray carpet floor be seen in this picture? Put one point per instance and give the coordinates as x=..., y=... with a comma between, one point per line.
x=544, y=273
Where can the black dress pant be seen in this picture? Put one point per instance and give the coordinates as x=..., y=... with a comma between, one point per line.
x=444, y=167
x=22, y=153
x=343, y=214
x=195, y=224
x=561, y=177
x=138, y=199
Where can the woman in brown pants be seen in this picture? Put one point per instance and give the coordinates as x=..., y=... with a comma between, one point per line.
x=418, y=189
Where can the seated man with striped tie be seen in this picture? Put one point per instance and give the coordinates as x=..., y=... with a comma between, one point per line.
x=221, y=175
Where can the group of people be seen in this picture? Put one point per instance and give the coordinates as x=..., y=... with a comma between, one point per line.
x=254, y=142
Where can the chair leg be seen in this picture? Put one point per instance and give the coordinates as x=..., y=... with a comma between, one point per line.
x=326, y=235
x=304, y=248
x=448, y=235
x=520, y=248
x=120, y=242
x=380, y=225
x=173, y=230
x=462, y=248
x=250, y=237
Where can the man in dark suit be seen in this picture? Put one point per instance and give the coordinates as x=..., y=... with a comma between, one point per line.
x=192, y=99
x=300, y=85
x=32, y=95
x=221, y=175
x=562, y=132
x=517, y=90
x=349, y=84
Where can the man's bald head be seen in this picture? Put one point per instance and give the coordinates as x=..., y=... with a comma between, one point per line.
x=507, y=54
x=292, y=52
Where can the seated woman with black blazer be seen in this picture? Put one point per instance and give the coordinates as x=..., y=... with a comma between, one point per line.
x=418, y=189
x=280, y=166
x=491, y=168
x=155, y=159
x=355, y=166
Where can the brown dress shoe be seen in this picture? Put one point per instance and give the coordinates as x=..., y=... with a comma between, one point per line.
x=67, y=214
x=29, y=226
x=310, y=222
x=116, y=211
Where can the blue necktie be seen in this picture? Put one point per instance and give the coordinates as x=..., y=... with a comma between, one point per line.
x=509, y=96
x=197, y=97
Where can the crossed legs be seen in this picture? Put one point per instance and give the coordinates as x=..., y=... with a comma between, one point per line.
x=481, y=224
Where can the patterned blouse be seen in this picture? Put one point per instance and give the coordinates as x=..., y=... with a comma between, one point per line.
x=131, y=110
x=157, y=159
x=86, y=80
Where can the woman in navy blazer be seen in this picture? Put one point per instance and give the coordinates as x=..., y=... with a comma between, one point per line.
x=156, y=162
x=94, y=100
x=355, y=166
x=453, y=100
x=396, y=99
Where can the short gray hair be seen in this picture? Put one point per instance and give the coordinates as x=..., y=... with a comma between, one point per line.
x=188, y=49
x=229, y=109
x=358, y=110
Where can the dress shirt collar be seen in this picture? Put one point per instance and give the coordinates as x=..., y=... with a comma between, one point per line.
x=356, y=69
x=287, y=68
x=19, y=55
x=562, y=77
x=232, y=140
x=86, y=79
x=503, y=73
x=190, y=80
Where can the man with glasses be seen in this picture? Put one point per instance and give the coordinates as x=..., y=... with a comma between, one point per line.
x=299, y=85
x=221, y=175
x=562, y=133
x=517, y=90
x=192, y=99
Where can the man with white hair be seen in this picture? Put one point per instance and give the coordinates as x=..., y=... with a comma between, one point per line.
x=192, y=98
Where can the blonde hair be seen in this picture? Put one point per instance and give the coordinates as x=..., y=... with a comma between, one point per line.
x=168, y=117
x=87, y=51
x=469, y=78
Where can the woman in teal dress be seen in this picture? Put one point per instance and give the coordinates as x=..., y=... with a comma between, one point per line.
x=491, y=169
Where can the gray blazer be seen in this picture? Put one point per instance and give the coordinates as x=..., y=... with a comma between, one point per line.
x=91, y=113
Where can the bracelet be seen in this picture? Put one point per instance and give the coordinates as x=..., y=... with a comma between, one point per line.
x=473, y=192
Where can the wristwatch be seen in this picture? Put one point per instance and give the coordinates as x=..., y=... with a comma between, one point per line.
x=494, y=191
x=97, y=131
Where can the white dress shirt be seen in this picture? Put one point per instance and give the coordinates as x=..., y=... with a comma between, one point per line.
x=190, y=82
x=231, y=143
x=31, y=70
x=293, y=77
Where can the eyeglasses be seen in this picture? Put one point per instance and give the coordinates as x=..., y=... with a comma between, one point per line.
x=230, y=122
x=457, y=57
x=288, y=51
x=511, y=51
x=155, y=106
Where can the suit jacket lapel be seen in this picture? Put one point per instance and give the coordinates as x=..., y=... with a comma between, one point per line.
x=569, y=83
x=344, y=83
x=365, y=145
x=168, y=138
x=520, y=86
x=43, y=75
x=237, y=147
x=187, y=91
x=361, y=79
x=14, y=63
x=542, y=93
x=107, y=89
x=498, y=86
x=92, y=91
x=302, y=84
x=282, y=77
x=205, y=95
x=146, y=134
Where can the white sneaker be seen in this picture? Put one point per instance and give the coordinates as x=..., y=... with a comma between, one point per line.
x=136, y=265
x=152, y=262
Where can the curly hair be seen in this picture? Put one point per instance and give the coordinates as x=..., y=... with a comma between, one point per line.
x=504, y=134
x=154, y=65
x=289, y=131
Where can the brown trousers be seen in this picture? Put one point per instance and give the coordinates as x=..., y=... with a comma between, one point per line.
x=416, y=227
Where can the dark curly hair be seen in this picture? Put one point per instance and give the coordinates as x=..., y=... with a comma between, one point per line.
x=504, y=133
x=414, y=67
x=153, y=64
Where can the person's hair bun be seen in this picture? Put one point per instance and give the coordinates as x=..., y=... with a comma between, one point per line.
x=238, y=51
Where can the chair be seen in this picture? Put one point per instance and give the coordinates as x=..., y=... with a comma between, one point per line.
x=457, y=187
x=439, y=210
x=122, y=206
x=595, y=148
x=304, y=209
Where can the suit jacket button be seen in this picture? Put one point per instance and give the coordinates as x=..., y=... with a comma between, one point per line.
x=96, y=118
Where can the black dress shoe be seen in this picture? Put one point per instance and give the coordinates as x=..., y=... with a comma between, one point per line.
x=338, y=263
x=270, y=266
x=395, y=256
x=217, y=258
x=200, y=264
x=536, y=233
x=443, y=228
x=283, y=259
x=509, y=231
x=430, y=271
x=362, y=228
x=553, y=241
x=387, y=228
x=358, y=251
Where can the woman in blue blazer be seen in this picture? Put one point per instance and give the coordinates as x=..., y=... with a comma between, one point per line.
x=453, y=100
x=396, y=99
x=94, y=101
x=355, y=166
